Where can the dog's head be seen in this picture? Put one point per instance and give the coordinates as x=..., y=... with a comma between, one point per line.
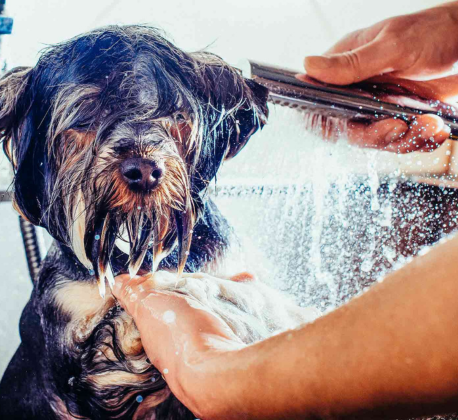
x=115, y=136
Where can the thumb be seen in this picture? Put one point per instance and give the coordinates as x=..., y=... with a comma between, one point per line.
x=127, y=290
x=372, y=59
x=156, y=315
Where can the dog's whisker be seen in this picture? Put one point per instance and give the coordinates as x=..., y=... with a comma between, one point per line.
x=138, y=253
x=110, y=276
x=184, y=223
x=94, y=244
x=101, y=286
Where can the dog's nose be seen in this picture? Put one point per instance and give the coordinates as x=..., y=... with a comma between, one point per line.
x=142, y=175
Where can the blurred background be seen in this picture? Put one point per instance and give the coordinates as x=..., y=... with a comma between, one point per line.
x=319, y=221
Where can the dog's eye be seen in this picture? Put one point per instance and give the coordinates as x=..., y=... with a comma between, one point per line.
x=179, y=127
x=180, y=118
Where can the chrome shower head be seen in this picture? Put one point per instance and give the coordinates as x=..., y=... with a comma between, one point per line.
x=361, y=102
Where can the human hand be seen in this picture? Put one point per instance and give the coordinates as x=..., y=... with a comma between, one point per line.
x=416, y=47
x=425, y=134
x=421, y=46
x=176, y=330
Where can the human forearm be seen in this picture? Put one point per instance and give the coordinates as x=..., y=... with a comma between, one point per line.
x=391, y=352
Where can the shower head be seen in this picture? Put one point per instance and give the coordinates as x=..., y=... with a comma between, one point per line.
x=364, y=101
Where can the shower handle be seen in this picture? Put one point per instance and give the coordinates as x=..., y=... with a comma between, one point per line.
x=341, y=102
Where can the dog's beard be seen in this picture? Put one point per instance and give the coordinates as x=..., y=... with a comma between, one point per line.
x=102, y=211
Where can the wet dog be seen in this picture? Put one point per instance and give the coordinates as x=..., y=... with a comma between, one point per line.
x=114, y=138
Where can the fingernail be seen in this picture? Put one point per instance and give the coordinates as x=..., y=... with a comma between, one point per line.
x=243, y=277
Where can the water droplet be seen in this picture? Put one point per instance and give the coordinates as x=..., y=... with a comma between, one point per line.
x=366, y=266
x=97, y=237
x=139, y=399
x=166, y=371
x=91, y=272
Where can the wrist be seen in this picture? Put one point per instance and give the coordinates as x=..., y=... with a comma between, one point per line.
x=203, y=383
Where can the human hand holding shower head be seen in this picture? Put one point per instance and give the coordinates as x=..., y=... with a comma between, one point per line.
x=417, y=53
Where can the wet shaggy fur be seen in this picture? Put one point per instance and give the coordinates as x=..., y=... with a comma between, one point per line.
x=68, y=124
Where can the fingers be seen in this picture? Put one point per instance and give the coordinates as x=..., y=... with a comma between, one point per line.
x=168, y=318
x=444, y=89
x=356, y=39
x=349, y=42
x=243, y=277
x=376, y=135
x=130, y=291
x=359, y=55
x=353, y=66
x=426, y=133
x=141, y=298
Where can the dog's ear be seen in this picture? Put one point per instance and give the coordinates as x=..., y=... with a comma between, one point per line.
x=12, y=87
x=250, y=116
x=239, y=104
x=235, y=108
x=16, y=133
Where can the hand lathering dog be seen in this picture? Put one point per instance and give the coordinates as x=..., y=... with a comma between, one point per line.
x=114, y=137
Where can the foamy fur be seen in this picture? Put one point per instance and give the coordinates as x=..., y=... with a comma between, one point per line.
x=252, y=309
